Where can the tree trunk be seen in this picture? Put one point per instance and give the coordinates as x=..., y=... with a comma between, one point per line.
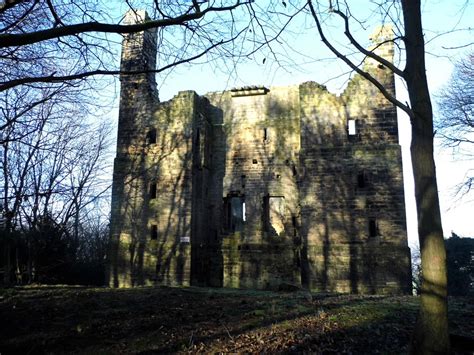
x=7, y=265
x=431, y=333
x=7, y=237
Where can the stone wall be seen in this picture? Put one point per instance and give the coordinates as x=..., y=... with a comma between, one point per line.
x=258, y=187
x=353, y=225
x=261, y=143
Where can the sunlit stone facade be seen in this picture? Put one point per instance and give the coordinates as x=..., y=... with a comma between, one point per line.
x=258, y=187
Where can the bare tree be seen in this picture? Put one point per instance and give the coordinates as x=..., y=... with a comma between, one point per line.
x=431, y=334
x=456, y=122
x=51, y=166
x=76, y=35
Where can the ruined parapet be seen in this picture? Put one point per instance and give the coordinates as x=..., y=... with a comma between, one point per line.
x=370, y=115
x=383, y=44
x=139, y=52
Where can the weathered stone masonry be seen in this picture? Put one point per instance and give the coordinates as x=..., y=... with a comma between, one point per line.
x=258, y=187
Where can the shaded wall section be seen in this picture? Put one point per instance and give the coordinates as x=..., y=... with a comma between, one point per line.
x=352, y=200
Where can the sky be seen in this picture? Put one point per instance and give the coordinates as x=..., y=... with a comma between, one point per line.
x=446, y=36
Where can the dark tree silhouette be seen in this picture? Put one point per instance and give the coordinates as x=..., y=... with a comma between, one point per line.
x=431, y=334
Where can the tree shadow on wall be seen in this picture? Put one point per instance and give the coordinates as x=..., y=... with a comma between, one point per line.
x=262, y=138
x=353, y=222
x=154, y=206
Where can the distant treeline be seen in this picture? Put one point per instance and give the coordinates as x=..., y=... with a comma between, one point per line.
x=460, y=260
x=52, y=254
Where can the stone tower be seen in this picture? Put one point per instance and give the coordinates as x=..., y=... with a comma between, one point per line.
x=259, y=187
x=138, y=100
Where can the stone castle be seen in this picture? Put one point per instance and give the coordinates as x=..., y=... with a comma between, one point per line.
x=258, y=187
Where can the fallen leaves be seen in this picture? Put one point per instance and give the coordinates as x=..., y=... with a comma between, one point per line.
x=85, y=320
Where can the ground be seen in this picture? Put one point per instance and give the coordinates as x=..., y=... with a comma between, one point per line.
x=160, y=319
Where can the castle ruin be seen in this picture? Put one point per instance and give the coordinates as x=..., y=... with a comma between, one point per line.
x=258, y=187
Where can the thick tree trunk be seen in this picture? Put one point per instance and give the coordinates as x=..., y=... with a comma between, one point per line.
x=431, y=333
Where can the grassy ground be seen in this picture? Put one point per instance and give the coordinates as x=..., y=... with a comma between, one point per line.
x=148, y=320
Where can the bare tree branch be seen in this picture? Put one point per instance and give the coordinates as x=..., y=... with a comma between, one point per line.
x=355, y=67
x=13, y=40
x=59, y=79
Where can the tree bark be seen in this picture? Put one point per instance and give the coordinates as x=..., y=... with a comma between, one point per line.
x=431, y=334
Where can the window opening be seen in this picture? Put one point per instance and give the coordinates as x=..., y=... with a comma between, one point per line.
x=197, y=143
x=242, y=180
x=265, y=134
x=153, y=189
x=274, y=214
x=373, y=230
x=151, y=136
x=154, y=232
x=235, y=212
x=200, y=143
x=351, y=127
x=198, y=137
x=362, y=179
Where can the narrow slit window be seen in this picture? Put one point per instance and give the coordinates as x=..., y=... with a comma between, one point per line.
x=362, y=179
x=154, y=232
x=295, y=225
x=151, y=136
x=373, y=230
x=198, y=137
x=153, y=189
x=265, y=134
x=351, y=127
x=200, y=147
